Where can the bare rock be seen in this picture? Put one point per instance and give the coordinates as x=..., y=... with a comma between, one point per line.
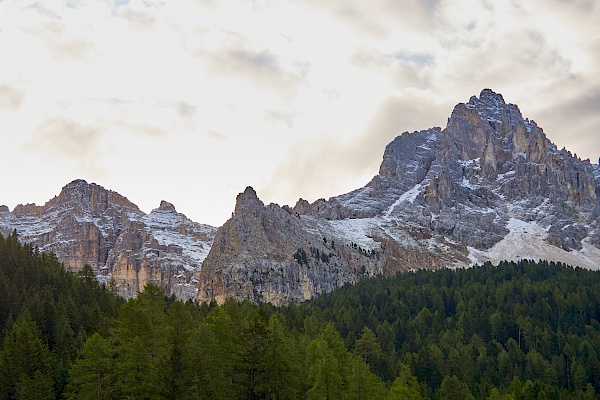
x=87, y=224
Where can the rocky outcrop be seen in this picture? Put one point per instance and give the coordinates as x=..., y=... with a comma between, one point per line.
x=87, y=224
x=267, y=253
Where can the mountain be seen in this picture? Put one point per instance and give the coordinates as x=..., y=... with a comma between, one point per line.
x=488, y=187
x=87, y=224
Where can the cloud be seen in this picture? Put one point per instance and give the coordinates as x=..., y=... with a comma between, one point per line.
x=139, y=14
x=144, y=129
x=407, y=69
x=10, y=98
x=328, y=167
x=380, y=18
x=216, y=135
x=574, y=119
x=285, y=116
x=60, y=139
x=62, y=44
x=261, y=67
x=184, y=109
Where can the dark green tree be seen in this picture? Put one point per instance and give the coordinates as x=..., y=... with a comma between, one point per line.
x=25, y=359
x=92, y=375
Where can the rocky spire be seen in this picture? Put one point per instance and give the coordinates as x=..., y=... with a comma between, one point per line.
x=248, y=202
x=166, y=206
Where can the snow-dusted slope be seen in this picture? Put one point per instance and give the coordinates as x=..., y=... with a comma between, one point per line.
x=528, y=240
x=461, y=192
x=87, y=224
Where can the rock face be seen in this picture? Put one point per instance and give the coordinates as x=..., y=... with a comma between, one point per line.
x=467, y=181
x=267, y=253
x=87, y=224
x=488, y=187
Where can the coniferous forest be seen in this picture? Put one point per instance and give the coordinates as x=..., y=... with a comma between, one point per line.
x=522, y=330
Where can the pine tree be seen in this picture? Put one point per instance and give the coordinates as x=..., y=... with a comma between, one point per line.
x=91, y=375
x=25, y=358
x=405, y=386
x=453, y=389
x=180, y=325
x=280, y=361
x=211, y=357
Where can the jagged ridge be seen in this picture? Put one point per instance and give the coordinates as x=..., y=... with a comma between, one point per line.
x=87, y=224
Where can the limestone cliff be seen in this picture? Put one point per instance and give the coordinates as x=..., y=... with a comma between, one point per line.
x=87, y=224
x=267, y=253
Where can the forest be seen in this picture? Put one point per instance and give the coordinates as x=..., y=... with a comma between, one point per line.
x=526, y=330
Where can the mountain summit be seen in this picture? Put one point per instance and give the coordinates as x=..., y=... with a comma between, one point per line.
x=489, y=186
x=88, y=224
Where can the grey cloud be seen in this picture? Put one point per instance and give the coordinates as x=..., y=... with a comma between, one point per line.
x=139, y=16
x=138, y=19
x=367, y=58
x=572, y=120
x=378, y=17
x=408, y=69
x=259, y=67
x=184, y=109
x=284, y=116
x=496, y=63
x=323, y=168
x=10, y=98
x=60, y=138
x=423, y=59
x=584, y=6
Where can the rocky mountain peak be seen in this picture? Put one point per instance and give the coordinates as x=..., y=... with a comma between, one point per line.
x=270, y=253
x=88, y=224
x=90, y=197
x=4, y=209
x=166, y=206
x=248, y=202
x=467, y=182
x=490, y=100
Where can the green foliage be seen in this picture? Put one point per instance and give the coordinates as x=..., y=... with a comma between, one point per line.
x=26, y=367
x=46, y=314
x=453, y=389
x=92, y=375
x=405, y=386
x=515, y=331
x=536, y=322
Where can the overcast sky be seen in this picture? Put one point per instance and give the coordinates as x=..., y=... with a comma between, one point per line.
x=192, y=101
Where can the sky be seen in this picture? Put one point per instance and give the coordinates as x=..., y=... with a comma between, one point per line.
x=192, y=101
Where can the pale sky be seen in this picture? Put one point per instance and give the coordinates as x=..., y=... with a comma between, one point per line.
x=192, y=101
